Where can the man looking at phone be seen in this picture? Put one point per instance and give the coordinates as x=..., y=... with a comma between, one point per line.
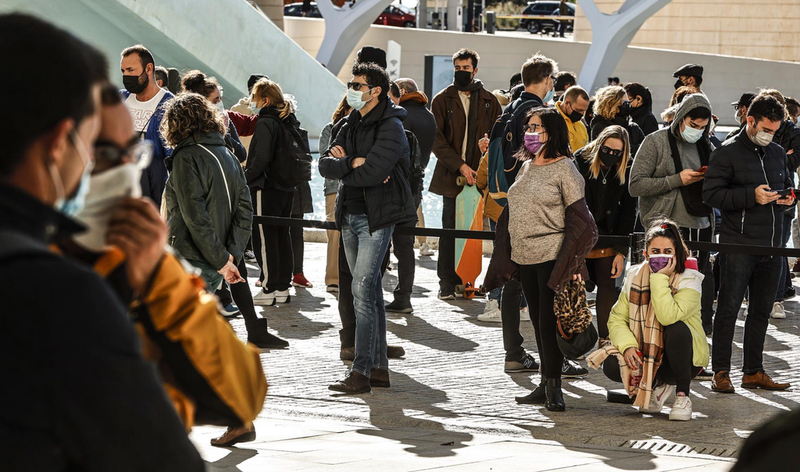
x=744, y=180
x=667, y=177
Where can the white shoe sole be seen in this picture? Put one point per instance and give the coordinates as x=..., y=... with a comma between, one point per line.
x=330, y=289
x=490, y=318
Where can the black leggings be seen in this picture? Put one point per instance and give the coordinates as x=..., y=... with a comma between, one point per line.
x=298, y=245
x=600, y=274
x=676, y=368
x=540, y=305
x=240, y=293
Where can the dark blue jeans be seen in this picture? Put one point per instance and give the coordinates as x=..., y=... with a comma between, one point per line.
x=365, y=252
x=738, y=273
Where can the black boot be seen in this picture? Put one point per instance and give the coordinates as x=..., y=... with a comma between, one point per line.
x=258, y=335
x=555, y=399
x=536, y=397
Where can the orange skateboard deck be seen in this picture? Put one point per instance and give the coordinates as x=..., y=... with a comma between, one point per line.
x=469, y=252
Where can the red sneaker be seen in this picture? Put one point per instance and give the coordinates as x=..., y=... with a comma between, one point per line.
x=300, y=280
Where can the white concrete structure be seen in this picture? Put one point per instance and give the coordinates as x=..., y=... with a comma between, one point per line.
x=228, y=39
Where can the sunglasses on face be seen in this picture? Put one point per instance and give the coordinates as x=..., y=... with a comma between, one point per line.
x=111, y=155
x=611, y=152
x=357, y=86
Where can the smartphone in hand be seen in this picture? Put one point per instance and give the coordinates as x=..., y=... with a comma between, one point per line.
x=702, y=170
x=788, y=192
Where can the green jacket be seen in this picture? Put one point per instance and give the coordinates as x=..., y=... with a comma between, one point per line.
x=209, y=212
x=684, y=306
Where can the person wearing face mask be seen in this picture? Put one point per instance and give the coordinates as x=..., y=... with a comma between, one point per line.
x=146, y=101
x=465, y=112
x=125, y=244
x=96, y=402
x=605, y=166
x=667, y=176
x=657, y=341
x=740, y=113
x=642, y=107
x=572, y=108
x=612, y=107
x=743, y=180
x=370, y=156
x=690, y=75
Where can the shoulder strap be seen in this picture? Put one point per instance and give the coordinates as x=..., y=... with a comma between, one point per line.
x=676, y=156
x=224, y=179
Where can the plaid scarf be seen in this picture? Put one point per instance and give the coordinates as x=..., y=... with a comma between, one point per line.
x=648, y=331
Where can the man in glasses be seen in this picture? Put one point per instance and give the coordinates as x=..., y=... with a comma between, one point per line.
x=740, y=113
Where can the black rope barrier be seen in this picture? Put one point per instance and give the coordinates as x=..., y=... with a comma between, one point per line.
x=633, y=240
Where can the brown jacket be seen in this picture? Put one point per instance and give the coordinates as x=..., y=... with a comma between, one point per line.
x=491, y=208
x=451, y=124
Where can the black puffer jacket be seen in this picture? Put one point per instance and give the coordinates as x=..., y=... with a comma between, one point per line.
x=380, y=138
x=261, y=156
x=209, y=213
x=635, y=133
x=734, y=172
x=644, y=118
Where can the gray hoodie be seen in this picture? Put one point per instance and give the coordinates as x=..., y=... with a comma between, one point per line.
x=653, y=176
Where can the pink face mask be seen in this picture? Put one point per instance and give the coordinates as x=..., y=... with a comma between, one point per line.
x=658, y=262
x=532, y=143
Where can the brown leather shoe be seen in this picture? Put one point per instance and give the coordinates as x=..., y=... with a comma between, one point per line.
x=762, y=380
x=235, y=435
x=392, y=352
x=353, y=384
x=722, y=382
x=379, y=378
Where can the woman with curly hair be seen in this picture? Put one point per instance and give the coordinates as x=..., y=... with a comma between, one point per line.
x=612, y=107
x=209, y=213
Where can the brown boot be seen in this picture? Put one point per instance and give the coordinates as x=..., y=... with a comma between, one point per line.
x=722, y=382
x=235, y=435
x=379, y=378
x=762, y=380
x=353, y=384
x=347, y=353
x=395, y=352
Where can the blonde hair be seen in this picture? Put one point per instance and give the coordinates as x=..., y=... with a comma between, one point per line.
x=592, y=151
x=190, y=115
x=675, y=102
x=608, y=100
x=779, y=97
x=267, y=89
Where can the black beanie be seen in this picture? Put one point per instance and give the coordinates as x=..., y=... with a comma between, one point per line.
x=371, y=54
x=253, y=79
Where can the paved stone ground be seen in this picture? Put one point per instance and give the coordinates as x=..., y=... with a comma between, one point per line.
x=451, y=402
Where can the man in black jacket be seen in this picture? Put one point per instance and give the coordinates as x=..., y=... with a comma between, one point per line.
x=743, y=180
x=370, y=157
x=80, y=395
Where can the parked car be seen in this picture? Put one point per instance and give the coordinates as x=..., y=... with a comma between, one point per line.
x=296, y=9
x=544, y=8
x=393, y=15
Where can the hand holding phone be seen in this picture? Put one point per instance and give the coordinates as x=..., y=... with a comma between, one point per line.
x=703, y=169
x=788, y=192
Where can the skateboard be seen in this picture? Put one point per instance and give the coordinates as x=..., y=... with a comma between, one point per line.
x=469, y=252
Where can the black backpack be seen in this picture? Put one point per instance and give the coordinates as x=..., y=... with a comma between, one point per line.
x=416, y=173
x=291, y=164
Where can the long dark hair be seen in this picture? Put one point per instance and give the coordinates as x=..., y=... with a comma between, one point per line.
x=557, y=144
x=666, y=228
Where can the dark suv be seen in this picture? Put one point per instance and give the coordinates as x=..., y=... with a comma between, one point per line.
x=544, y=8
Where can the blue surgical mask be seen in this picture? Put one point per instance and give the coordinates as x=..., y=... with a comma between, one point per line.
x=548, y=97
x=691, y=135
x=356, y=99
x=72, y=206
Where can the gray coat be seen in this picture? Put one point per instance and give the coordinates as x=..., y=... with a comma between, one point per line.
x=325, y=138
x=653, y=176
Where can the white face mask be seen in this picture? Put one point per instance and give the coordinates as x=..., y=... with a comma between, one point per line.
x=762, y=138
x=220, y=107
x=108, y=190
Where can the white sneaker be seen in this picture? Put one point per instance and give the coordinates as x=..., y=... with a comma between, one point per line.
x=491, y=313
x=658, y=397
x=524, y=314
x=282, y=296
x=425, y=250
x=778, y=312
x=681, y=409
x=264, y=299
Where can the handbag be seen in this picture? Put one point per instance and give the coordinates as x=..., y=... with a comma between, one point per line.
x=576, y=335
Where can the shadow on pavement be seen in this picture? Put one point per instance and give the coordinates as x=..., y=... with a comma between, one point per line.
x=419, y=331
x=230, y=462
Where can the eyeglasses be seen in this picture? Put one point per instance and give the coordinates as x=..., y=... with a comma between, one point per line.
x=533, y=127
x=358, y=85
x=736, y=106
x=110, y=154
x=611, y=152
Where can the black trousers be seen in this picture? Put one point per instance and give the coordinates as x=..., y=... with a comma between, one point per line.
x=298, y=245
x=510, y=302
x=676, y=368
x=273, y=244
x=600, y=274
x=446, y=265
x=240, y=294
x=704, y=267
x=540, y=304
x=403, y=245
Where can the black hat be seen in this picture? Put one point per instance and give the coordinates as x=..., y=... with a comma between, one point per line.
x=689, y=69
x=253, y=79
x=745, y=100
x=371, y=54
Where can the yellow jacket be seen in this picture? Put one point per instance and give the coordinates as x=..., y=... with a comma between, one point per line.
x=209, y=375
x=491, y=208
x=578, y=136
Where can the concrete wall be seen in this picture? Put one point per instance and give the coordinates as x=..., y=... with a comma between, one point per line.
x=228, y=39
x=725, y=78
x=764, y=29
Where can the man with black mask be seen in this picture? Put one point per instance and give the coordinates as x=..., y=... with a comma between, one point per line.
x=146, y=101
x=464, y=112
x=690, y=75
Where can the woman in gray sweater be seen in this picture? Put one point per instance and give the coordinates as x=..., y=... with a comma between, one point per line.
x=546, y=185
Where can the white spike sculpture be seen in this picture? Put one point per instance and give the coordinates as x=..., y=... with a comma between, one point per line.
x=611, y=35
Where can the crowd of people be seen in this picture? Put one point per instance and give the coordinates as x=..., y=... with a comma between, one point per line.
x=128, y=350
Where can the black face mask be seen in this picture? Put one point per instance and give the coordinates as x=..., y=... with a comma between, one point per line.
x=575, y=116
x=608, y=160
x=462, y=79
x=132, y=84
x=624, y=110
x=678, y=84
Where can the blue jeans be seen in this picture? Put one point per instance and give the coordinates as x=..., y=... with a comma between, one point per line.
x=365, y=252
x=739, y=272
